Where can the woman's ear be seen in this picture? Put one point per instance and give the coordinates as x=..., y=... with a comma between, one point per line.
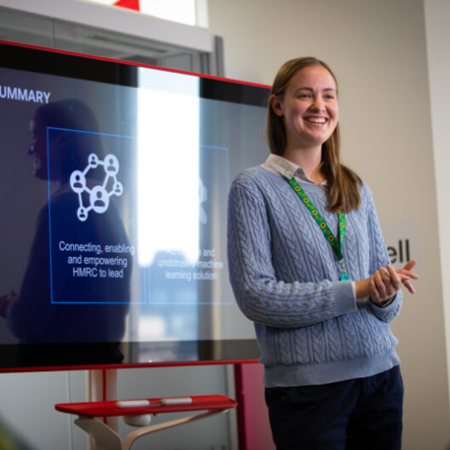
x=276, y=105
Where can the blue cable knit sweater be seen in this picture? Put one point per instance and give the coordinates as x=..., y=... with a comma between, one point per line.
x=285, y=277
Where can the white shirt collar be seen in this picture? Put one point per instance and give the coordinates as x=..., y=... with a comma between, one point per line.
x=285, y=168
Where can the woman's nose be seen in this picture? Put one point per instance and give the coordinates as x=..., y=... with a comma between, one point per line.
x=318, y=104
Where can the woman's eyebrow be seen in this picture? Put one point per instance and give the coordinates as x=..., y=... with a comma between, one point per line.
x=305, y=88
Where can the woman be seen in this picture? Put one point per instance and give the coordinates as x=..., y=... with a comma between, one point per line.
x=308, y=264
x=55, y=304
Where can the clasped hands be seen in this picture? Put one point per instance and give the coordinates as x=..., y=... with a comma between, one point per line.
x=383, y=285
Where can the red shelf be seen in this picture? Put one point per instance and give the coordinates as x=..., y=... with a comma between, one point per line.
x=107, y=409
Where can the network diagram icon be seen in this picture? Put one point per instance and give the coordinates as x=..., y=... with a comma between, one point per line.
x=99, y=196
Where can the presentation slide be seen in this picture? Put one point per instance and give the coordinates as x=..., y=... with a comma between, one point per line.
x=114, y=203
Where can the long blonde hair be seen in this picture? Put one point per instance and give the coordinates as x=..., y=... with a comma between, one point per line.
x=342, y=182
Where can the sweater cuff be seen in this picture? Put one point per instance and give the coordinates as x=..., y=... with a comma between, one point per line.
x=345, y=291
x=385, y=304
x=385, y=309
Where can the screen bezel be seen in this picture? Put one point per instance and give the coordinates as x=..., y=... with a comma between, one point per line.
x=84, y=356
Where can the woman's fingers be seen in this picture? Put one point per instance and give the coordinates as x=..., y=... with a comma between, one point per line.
x=385, y=282
x=410, y=264
x=395, y=278
x=379, y=284
x=407, y=270
x=374, y=295
x=408, y=273
x=408, y=285
x=391, y=284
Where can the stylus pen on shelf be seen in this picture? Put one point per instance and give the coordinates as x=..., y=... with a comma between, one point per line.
x=176, y=401
x=163, y=401
x=132, y=403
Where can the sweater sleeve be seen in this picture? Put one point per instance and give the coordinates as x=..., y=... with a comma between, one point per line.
x=379, y=258
x=260, y=295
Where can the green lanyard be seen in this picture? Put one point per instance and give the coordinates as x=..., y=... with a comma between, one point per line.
x=336, y=244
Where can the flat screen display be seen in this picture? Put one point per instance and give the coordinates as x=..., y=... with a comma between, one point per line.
x=114, y=183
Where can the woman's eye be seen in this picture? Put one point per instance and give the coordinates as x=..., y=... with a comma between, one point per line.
x=304, y=96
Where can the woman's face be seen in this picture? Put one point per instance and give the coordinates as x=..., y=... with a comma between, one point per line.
x=38, y=151
x=309, y=107
x=38, y=148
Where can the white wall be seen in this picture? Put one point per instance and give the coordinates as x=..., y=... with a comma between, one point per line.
x=437, y=15
x=28, y=419
x=378, y=52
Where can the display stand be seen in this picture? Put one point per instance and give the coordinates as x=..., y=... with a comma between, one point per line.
x=107, y=439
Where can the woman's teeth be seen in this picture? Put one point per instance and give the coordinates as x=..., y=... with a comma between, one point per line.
x=316, y=119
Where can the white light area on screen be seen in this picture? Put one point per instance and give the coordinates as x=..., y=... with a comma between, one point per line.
x=168, y=165
x=152, y=328
x=182, y=11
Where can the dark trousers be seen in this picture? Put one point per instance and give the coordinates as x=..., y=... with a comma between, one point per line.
x=360, y=414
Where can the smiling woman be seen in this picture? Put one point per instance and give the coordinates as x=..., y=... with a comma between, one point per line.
x=310, y=109
x=308, y=264
x=311, y=85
